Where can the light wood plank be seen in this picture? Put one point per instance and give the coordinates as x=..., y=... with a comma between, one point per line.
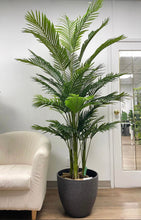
x=111, y=204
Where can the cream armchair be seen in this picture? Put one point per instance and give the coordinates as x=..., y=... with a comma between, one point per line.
x=23, y=170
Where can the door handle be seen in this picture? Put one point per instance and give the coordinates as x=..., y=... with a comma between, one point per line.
x=116, y=112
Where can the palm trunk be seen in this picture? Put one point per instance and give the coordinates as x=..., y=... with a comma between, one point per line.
x=71, y=163
x=84, y=158
x=75, y=159
x=75, y=149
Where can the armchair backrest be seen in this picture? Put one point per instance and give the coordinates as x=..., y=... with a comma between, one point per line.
x=19, y=147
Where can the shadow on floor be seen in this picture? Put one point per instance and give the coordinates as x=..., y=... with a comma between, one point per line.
x=15, y=215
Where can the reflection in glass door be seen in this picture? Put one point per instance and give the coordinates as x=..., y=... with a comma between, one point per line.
x=130, y=63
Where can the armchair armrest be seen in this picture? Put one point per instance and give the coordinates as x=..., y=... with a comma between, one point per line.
x=40, y=167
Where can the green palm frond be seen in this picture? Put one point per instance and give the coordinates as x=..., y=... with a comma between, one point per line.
x=41, y=128
x=51, y=130
x=93, y=102
x=74, y=64
x=78, y=79
x=103, y=46
x=56, y=104
x=64, y=130
x=84, y=22
x=66, y=30
x=88, y=118
x=90, y=37
x=82, y=80
x=86, y=89
x=88, y=84
x=102, y=128
x=89, y=128
x=88, y=80
x=76, y=103
x=108, y=99
x=86, y=115
x=44, y=65
x=49, y=82
x=42, y=29
x=101, y=82
x=46, y=87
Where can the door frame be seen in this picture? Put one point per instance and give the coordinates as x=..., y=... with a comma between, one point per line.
x=129, y=178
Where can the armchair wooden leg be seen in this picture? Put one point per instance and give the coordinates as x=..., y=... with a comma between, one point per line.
x=34, y=214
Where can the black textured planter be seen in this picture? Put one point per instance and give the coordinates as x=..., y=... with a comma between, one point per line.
x=77, y=196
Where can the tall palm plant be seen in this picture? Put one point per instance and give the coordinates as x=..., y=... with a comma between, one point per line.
x=73, y=84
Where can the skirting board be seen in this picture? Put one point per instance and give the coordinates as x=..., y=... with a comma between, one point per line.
x=101, y=184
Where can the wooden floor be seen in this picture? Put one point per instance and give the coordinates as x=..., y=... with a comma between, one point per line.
x=112, y=204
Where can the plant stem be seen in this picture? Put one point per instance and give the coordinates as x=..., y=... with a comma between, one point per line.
x=75, y=161
x=88, y=149
x=75, y=148
x=71, y=162
x=83, y=157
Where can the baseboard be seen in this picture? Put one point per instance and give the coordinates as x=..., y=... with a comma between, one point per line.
x=104, y=184
x=52, y=184
x=101, y=184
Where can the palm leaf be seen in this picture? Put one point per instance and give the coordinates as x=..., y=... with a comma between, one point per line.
x=88, y=81
x=44, y=65
x=103, y=127
x=87, y=119
x=103, y=46
x=50, y=130
x=56, y=104
x=74, y=64
x=84, y=22
x=47, y=87
x=90, y=37
x=76, y=103
x=66, y=30
x=88, y=128
x=86, y=116
x=42, y=29
x=77, y=79
x=49, y=81
x=64, y=130
x=101, y=82
x=108, y=99
x=88, y=84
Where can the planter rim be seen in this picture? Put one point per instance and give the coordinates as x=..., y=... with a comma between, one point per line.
x=78, y=180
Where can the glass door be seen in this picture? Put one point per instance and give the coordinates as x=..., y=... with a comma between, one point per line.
x=127, y=135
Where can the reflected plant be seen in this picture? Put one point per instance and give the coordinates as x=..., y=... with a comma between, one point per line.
x=124, y=116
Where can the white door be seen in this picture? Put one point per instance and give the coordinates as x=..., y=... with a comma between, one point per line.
x=126, y=137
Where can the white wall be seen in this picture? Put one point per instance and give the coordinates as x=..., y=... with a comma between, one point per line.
x=16, y=86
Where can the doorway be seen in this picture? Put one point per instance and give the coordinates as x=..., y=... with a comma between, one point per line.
x=126, y=137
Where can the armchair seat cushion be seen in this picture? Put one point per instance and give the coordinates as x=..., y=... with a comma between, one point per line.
x=15, y=177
